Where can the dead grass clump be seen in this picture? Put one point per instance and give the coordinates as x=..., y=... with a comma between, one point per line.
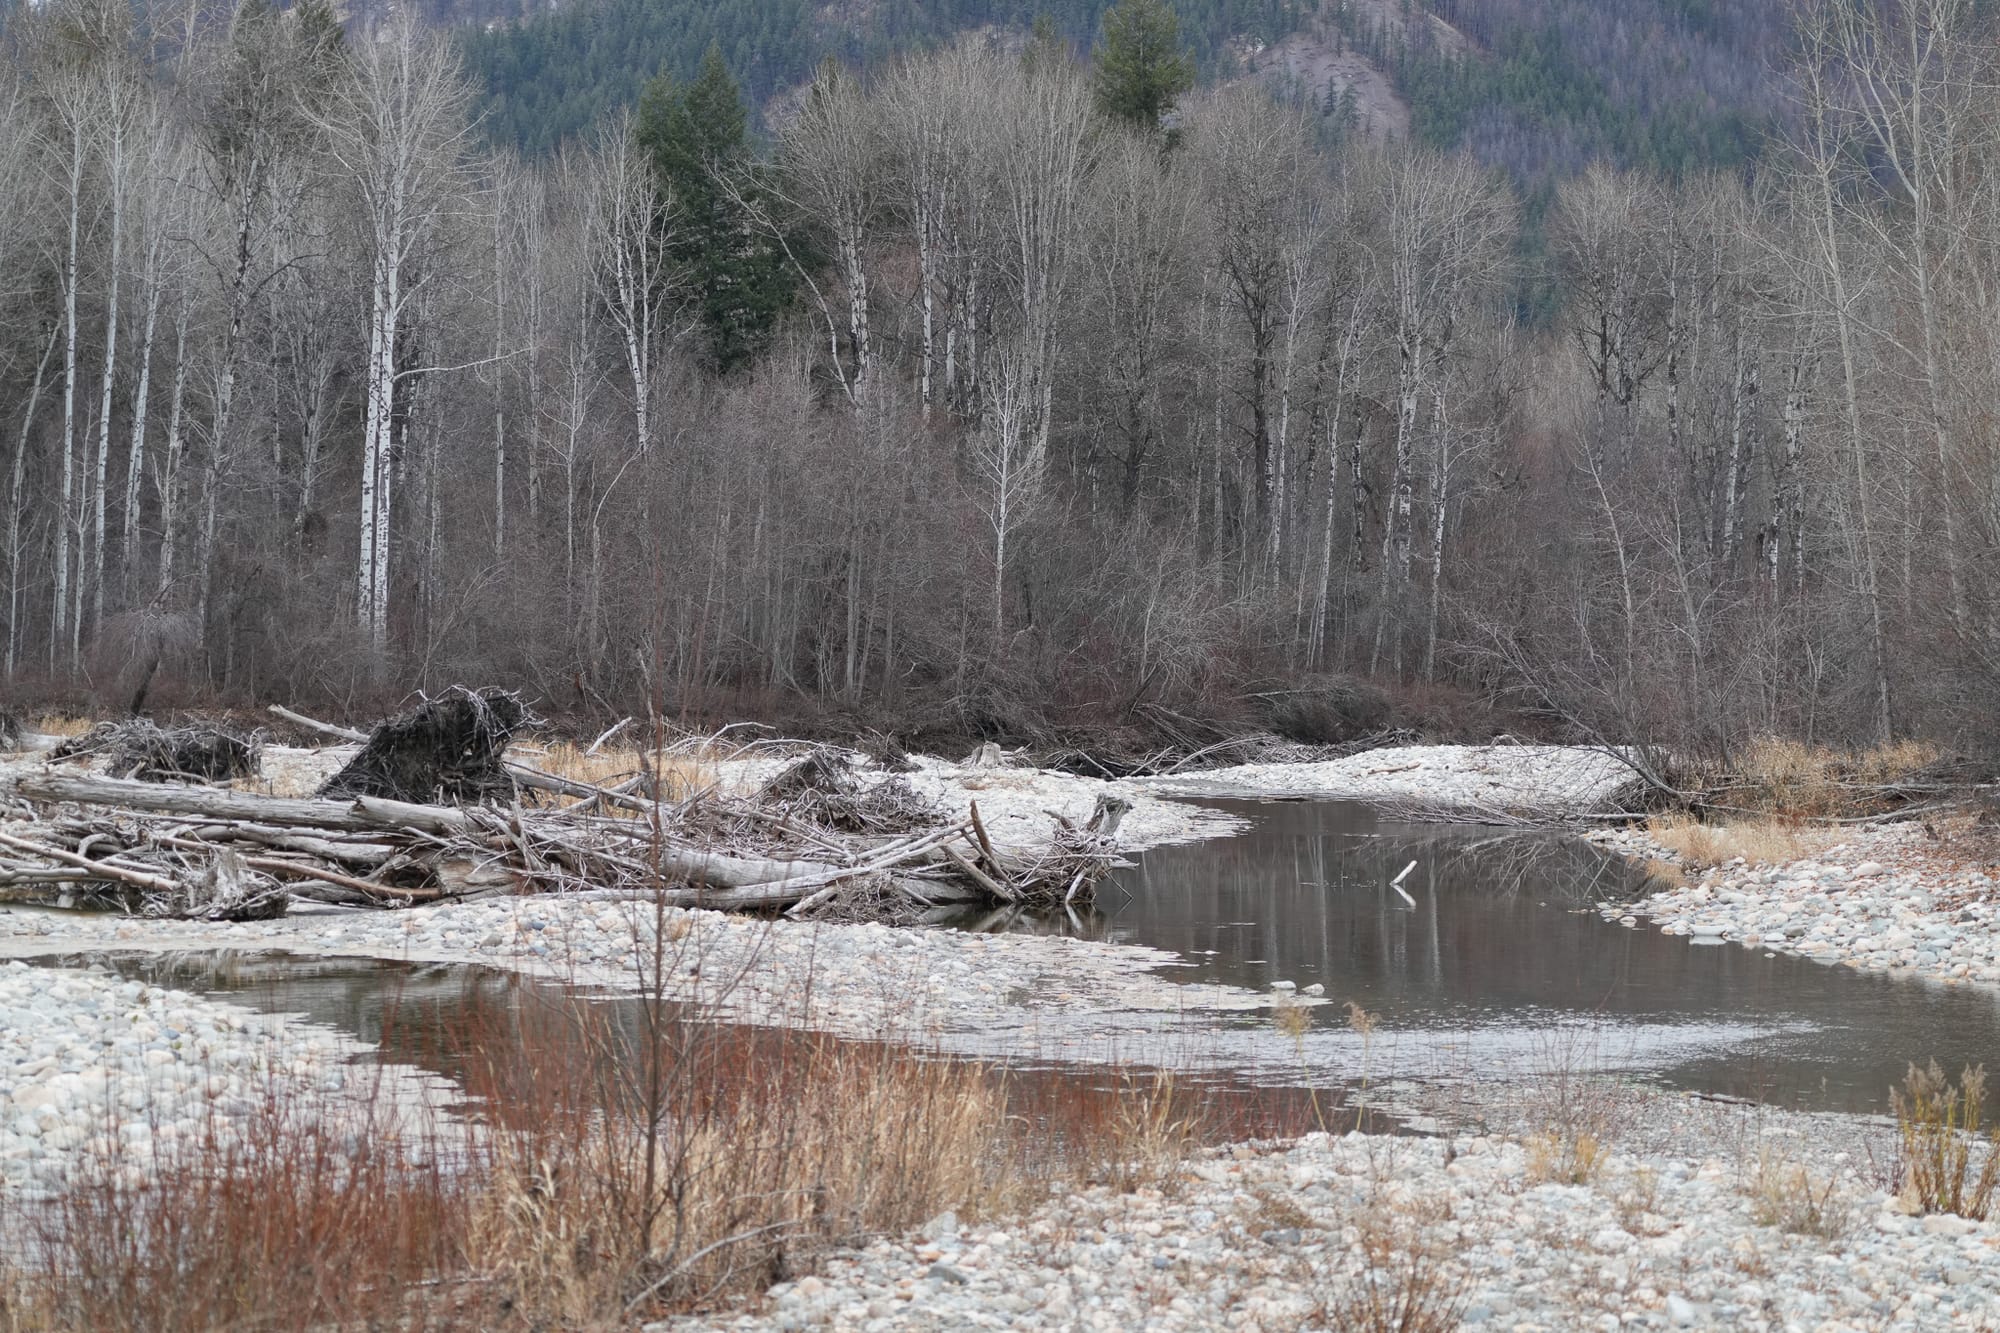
x=1785, y=1195
x=1669, y=873
x=1798, y=781
x=1565, y=1157
x=1404, y=1284
x=1152, y=1133
x=1576, y=1109
x=1703, y=846
x=1938, y=1125
x=669, y=1167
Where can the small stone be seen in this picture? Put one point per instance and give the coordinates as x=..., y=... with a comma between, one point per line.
x=1682, y=1311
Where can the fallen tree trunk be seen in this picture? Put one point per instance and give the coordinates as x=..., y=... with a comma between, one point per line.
x=368, y=812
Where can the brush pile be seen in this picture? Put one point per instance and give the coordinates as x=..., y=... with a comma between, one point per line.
x=823, y=788
x=138, y=748
x=822, y=838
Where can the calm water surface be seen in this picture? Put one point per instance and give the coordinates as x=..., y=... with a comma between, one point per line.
x=1504, y=961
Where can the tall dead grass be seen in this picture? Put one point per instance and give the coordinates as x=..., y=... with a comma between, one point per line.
x=1701, y=846
x=681, y=768
x=628, y=1162
x=309, y=1218
x=1940, y=1130
x=1791, y=780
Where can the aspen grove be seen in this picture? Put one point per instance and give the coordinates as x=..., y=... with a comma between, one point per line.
x=971, y=396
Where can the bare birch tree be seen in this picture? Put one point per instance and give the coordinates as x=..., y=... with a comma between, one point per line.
x=396, y=129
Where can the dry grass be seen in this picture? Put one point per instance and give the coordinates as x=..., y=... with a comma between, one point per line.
x=1796, y=781
x=1784, y=1194
x=1565, y=1156
x=1154, y=1129
x=635, y=1162
x=1669, y=873
x=665, y=1173
x=62, y=724
x=1938, y=1126
x=1576, y=1108
x=1404, y=1284
x=1757, y=841
x=308, y=1220
x=681, y=769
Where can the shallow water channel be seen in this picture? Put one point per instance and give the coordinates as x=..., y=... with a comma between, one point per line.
x=1503, y=963
x=1501, y=967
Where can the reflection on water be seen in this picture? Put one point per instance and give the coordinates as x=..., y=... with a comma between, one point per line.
x=446, y=1018
x=1502, y=958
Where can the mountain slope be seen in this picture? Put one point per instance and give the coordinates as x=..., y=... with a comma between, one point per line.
x=1538, y=87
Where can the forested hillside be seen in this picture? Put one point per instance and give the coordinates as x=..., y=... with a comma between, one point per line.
x=556, y=74
x=982, y=397
x=1542, y=87
x=1539, y=87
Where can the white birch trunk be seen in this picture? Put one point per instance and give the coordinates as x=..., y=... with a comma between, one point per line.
x=15, y=501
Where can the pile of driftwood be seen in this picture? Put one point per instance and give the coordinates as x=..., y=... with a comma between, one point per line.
x=432, y=809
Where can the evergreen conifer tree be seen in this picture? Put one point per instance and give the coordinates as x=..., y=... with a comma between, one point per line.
x=697, y=137
x=1140, y=67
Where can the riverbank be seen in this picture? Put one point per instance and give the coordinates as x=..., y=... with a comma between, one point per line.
x=1578, y=1203
x=1755, y=1221
x=102, y=1073
x=1318, y=1232
x=1908, y=898
x=1545, y=782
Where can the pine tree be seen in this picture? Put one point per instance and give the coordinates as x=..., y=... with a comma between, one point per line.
x=1141, y=69
x=697, y=137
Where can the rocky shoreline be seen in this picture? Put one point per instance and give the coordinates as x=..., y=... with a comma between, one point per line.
x=1287, y=1236
x=106, y=1074
x=1884, y=898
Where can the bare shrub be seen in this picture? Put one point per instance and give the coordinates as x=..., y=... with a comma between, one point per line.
x=1576, y=1110
x=1327, y=710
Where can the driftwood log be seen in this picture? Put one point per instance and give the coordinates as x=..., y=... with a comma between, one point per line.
x=822, y=840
